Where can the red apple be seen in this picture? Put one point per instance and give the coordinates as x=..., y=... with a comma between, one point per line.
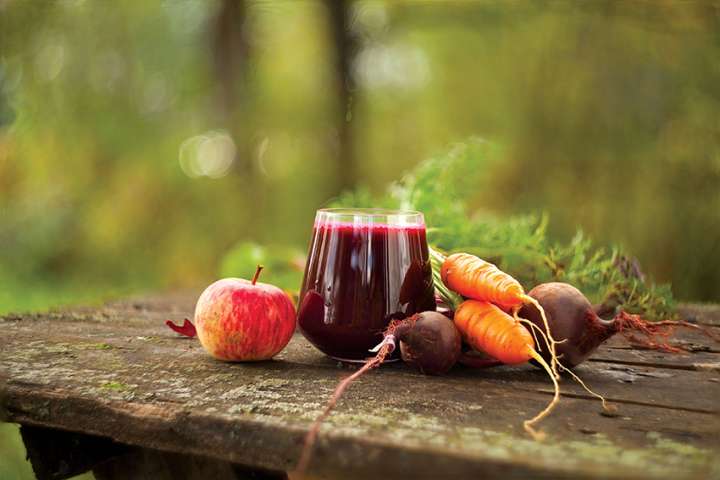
x=243, y=320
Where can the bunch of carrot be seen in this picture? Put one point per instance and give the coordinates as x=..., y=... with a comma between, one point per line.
x=487, y=317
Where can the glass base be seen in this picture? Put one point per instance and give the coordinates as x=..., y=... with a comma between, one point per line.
x=354, y=360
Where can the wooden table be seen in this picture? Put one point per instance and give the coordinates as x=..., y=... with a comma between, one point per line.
x=109, y=380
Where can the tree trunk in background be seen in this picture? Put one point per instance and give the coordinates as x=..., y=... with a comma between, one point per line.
x=346, y=46
x=230, y=54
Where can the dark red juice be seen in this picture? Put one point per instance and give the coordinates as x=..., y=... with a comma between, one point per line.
x=358, y=278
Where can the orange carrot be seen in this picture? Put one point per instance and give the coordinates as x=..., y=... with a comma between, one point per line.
x=474, y=278
x=486, y=327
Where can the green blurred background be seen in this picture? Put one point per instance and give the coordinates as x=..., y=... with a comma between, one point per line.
x=140, y=141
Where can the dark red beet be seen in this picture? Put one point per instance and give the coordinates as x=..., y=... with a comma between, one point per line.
x=430, y=342
x=570, y=316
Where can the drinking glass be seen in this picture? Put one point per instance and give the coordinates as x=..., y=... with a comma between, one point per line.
x=365, y=268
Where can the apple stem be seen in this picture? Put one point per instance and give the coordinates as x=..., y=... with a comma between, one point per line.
x=257, y=274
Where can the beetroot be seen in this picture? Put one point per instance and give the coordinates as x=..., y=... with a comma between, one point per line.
x=430, y=342
x=572, y=318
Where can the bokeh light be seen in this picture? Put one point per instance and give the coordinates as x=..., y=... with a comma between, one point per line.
x=208, y=155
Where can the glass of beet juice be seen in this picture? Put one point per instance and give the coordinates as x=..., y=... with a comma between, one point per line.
x=365, y=268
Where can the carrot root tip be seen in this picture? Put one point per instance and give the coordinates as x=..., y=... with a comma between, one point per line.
x=550, y=406
x=537, y=435
x=610, y=408
x=607, y=407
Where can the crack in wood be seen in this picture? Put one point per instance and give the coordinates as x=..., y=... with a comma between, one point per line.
x=582, y=396
x=701, y=349
x=693, y=367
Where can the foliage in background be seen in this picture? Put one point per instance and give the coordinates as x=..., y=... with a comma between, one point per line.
x=283, y=265
x=444, y=187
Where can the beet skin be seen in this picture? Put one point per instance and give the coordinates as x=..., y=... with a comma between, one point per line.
x=570, y=316
x=429, y=341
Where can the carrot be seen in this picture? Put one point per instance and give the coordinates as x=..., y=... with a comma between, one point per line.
x=486, y=327
x=474, y=278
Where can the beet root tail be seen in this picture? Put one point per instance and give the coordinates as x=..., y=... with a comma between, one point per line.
x=656, y=335
x=386, y=348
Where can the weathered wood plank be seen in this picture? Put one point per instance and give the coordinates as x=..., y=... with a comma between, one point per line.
x=118, y=372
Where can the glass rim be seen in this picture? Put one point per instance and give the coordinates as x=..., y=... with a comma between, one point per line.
x=370, y=216
x=369, y=212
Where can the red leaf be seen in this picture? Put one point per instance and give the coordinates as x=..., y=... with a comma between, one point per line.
x=187, y=328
